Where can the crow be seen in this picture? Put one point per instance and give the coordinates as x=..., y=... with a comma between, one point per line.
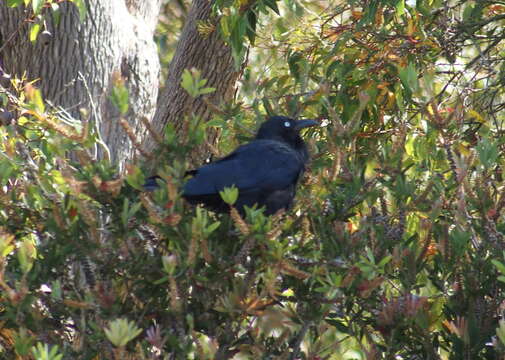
x=265, y=171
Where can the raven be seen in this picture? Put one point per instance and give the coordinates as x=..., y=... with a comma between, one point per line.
x=265, y=171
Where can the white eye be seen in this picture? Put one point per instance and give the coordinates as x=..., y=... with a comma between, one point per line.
x=287, y=124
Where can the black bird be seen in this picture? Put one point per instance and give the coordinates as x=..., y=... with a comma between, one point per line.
x=265, y=171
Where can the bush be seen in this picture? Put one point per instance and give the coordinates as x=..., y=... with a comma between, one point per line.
x=394, y=248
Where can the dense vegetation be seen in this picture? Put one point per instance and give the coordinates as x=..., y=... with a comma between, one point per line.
x=394, y=248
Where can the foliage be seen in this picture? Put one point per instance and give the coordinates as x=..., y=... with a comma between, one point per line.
x=394, y=248
x=42, y=352
x=121, y=332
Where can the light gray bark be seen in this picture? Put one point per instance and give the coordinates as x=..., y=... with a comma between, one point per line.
x=77, y=67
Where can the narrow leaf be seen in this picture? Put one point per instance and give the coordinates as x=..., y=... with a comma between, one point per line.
x=81, y=7
x=37, y=6
x=34, y=32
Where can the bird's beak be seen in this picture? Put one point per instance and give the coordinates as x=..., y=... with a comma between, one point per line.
x=302, y=124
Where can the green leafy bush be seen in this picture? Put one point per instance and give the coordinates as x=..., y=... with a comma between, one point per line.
x=394, y=248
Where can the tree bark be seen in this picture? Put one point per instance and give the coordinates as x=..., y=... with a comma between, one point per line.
x=208, y=54
x=78, y=67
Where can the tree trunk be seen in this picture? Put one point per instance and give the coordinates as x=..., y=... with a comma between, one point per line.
x=208, y=54
x=79, y=65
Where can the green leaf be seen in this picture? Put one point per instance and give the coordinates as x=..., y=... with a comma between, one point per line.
x=211, y=228
x=120, y=97
x=460, y=240
x=477, y=11
x=192, y=82
x=6, y=169
x=206, y=90
x=500, y=266
x=294, y=66
x=215, y=122
x=37, y=100
x=187, y=81
x=251, y=26
x=229, y=195
x=43, y=352
x=81, y=7
x=34, y=31
x=14, y=3
x=408, y=77
x=339, y=325
x=56, y=13
x=169, y=263
x=237, y=35
x=488, y=153
x=37, y=6
x=135, y=178
x=56, y=291
x=26, y=255
x=124, y=213
x=399, y=97
x=170, y=134
x=23, y=342
x=400, y=7
x=6, y=246
x=121, y=331
x=384, y=261
x=467, y=12
x=272, y=4
x=224, y=26
x=369, y=15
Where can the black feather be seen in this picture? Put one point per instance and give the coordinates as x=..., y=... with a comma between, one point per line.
x=265, y=171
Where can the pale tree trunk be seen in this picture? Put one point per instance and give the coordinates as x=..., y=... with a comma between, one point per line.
x=206, y=53
x=78, y=66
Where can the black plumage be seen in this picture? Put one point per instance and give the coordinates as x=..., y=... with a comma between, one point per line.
x=265, y=171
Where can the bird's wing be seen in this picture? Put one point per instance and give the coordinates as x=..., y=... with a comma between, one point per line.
x=258, y=165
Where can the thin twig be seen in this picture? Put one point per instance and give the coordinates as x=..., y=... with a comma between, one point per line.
x=298, y=343
x=469, y=65
x=95, y=118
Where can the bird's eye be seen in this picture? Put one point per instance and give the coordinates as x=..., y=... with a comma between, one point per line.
x=287, y=124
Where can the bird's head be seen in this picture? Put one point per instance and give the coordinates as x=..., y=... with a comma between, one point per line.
x=284, y=129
